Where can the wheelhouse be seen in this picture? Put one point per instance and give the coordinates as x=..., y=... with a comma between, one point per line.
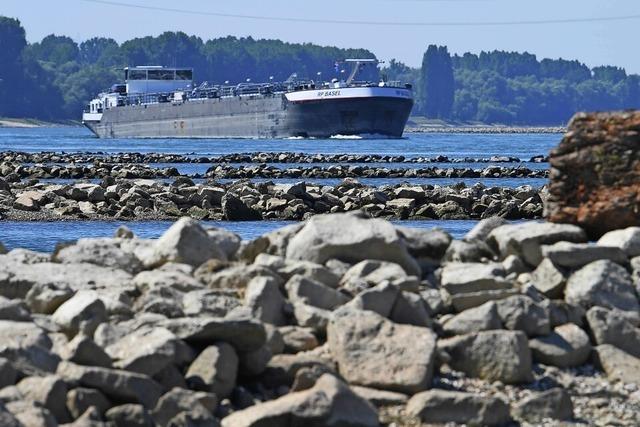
x=156, y=79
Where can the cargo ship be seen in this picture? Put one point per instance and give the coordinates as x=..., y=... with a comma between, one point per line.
x=163, y=102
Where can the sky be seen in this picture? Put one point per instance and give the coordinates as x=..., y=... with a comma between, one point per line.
x=400, y=29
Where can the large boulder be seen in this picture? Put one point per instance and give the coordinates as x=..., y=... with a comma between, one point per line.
x=574, y=255
x=611, y=327
x=214, y=370
x=491, y=355
x=329, y=403
x=602, y=283
x=595, y=173
x=443, y=406
x=82, y=312
x=375, y=352
x=186, y=241
x=519, y=312
x=526, y=239
x=352, y=238
x=100, y=251
x=481, y=318
x=311, y=292
x=551, y=404
x=567, y=346
x=473, y=284
x=264, y=298
x=627, y=239
x=27, y=346
x=618, y=364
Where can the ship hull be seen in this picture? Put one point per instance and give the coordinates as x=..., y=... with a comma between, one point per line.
x=273, y=116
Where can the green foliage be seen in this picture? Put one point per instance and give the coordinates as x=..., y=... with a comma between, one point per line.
x=436, y=84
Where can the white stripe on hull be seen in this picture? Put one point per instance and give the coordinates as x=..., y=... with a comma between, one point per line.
x=348, y=92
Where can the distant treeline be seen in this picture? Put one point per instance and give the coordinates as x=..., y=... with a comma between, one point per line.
x=513, y=88
x=54, y=78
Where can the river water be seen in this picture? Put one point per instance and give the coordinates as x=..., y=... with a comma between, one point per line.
x=44, y=235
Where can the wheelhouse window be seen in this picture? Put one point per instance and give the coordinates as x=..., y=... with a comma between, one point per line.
x=136, y=75
x=184, y=75
x=161, y=74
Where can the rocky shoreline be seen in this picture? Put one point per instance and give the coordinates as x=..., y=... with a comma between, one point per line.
x=341, y=320
x=132, y=199
x=485, y=129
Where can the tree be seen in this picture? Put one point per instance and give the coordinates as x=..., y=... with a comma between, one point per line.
x=436, y=84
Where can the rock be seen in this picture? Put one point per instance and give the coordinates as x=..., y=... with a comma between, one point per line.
x=214, y=370
x=473, y=251
x=297, y=339
x=84, y=351
x=329, y=403
x=31, y=414
x=235, y=209
x=481, y=318
x=184, y=242
x=423, y=243
x=148, y=351
x=491, y=355
x=84, y=311
x=611, y=327
x=8, y=374
x=13, y=310
x=311, y=317
x=384, y=355
x=617, y=364
x=209, y=303
x=80, y=399
x=473, y=284
x=573, y=255
x=199, y=405
x=117, y=384
x=90, y=418
x=50, y=391
x=28, y=201
x=552, y=404
x=627, y=239
x=567, y=346
x=99, y=251
x=350, y=238
x=520, y=312
x=380, y=299
x=308, y=291
x=380, y=398
x=308, y=269
x=602, y=283
x=129, y=415
x=27, y=347
x=443, y=406
x=227, y=241
x=265, y=300
x=483, y=228
x=526, y=239
x=599, y=152
x=45, y=298
x=514, y=265
x=245, y=334
x=410, y=309
x=235, y=277
x=368, y=273
x=549, y=279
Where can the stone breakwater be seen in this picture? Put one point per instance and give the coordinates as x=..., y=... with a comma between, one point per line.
x=339, y=321
x=258, y=157
x=244, y=200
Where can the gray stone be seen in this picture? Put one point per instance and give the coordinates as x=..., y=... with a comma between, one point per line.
x=410, y=309
x=185, y=242
x=368, y=273
x=520, y=312
x=227, y=241
x=514, y=265
x=312, y=317
x=380, y=299
x=199, y=405
x=157, y=279
x=84, y=351
x=481, y=318
x=468, y=251
x=13, y=310
x=80, y=399
x=84, y=311
x=611, y=327
x=117, y=384
x=443, y=406
x=105, y=252
x=484, y=227
x=627, y=239
x=309, y=269
x=214, y=370
x=525, y=239
x=561, y=312
x=380, y=398
x=567, y=346
x=31, y=414
x=329, y=403
x=617, y=364
x=148, y=351
x=549, y=279
x=372, y=351
x=350, y=238
x=8, y=374
x=50, y=391
x=298, y=339
x=209, y=302
x=129, y=415
x=602, y=283
x=554, y=404
x=574, y=255
x=308, y=291
x=491, y=355
x=244, y=333
x=27, y=346
x=235, y=277
x=45, y=298
x=264, y=298
x=425, y=243
x=458, y=277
